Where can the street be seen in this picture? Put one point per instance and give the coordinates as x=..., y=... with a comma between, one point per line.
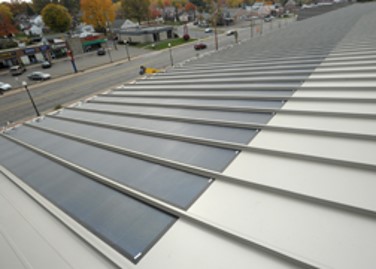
x=98, y=74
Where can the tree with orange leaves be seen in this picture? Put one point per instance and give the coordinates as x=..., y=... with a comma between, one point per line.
x=6, y=21
x=98, y=13
x=190, y=7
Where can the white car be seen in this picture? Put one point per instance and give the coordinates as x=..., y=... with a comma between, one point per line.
x=4, y=87
x=38, y=76
x=230, y=32
x=208, y=30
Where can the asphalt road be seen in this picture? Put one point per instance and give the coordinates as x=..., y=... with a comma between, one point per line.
x=97, y=74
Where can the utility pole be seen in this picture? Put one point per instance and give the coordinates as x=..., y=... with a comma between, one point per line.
x=215, y=23
x=171, y=59
x=126, y=50
x=24, y=83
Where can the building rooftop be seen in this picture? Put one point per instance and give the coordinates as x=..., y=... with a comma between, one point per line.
x=259, y=156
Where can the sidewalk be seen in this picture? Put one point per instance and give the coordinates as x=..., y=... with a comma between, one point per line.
x=62, y=67
x=89, y=60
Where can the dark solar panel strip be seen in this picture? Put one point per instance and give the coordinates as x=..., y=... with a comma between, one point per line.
x=199, y=130
x=254, y=114
x=215, y=87
x=153, y=97
x=160, y=206
x=278, y=253
x=252, y=68
x=236, y=106
x=219, y=143
x=128, y=224
x=233, y=94
x=293, y=60
x=179, y=150
x=176, y=101
x=204, y=121
x=214, y=174
x=183, y=114
x=154, y=176
x=249, y=72
x=254, y=80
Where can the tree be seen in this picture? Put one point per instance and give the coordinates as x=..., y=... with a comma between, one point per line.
x=198, y=3
x=38, y=5
x=98, y=13
x=7, y=27
x=154, y=11
x=56, y=17
x=19, y=7
x=118, y=10
x=176, y=4
x=136, y=9
x=73, y=6
x=190, y=7
x=234, y=3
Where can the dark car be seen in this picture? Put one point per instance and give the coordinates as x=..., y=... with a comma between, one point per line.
x=46, y=64
x=200, y=46
x=39, y=76
x=101, y=51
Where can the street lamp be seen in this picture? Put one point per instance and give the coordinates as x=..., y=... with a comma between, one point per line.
x=126, y=49
x=70, y=54
x=171, y=59
x=109, y=52
x=24, y=83
x=251, y=27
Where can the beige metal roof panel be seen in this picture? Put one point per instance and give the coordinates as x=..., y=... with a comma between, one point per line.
x=33, y=238
x=333, y=123
x=186, y=246
x=332, y=223
x=330, y=106
x=328, y=237
x=355, y=150
x=343, y=93
x=8, y=253
x=339, y=184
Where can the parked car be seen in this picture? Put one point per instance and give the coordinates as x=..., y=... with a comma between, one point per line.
x=101, y=51
x=230, y=32
x=208, y=30
x=200, y=46
x=268, y=18
x=46, y=64
x=38, y=76
x=4, y=87
x=203, y=24
x=17, y=70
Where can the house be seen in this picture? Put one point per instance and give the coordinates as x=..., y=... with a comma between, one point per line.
x=135, y=33
x=291, y=6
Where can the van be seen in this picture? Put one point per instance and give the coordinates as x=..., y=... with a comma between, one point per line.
x=17, y=70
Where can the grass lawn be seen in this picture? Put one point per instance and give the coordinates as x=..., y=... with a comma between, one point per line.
x=164, y=44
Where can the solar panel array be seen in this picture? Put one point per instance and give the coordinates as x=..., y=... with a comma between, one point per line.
x=129, y=163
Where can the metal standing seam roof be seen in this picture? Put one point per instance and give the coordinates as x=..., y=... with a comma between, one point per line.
x=261, y=155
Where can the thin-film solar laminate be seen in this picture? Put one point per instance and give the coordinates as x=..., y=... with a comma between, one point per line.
x=128, y=225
